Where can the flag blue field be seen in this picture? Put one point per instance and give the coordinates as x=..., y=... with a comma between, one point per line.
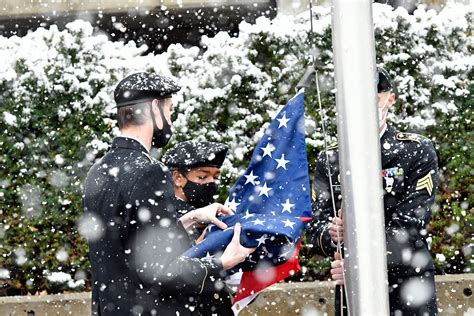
x=272, y=199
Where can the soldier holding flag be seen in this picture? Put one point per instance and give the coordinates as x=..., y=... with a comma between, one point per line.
x=195, y=167
x=410, y=177
x=136, y=256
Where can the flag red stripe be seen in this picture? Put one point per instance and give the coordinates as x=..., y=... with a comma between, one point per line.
x=251, y=282
x=305, y=219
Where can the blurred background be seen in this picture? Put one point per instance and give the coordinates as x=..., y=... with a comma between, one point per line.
x=160, y=23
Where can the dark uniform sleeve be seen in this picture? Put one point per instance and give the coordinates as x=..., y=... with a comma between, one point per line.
x=317, y=232
x=404, y=231
x=159, y=240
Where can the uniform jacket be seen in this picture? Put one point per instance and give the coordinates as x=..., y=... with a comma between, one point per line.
x=135, y=241
x=410, y=177
x=218, y=303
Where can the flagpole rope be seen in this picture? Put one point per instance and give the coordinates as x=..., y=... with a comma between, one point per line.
x=338, y=244
x=342, y=288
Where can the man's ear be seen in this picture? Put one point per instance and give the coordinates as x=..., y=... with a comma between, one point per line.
x=391, y=99
x=155, y=103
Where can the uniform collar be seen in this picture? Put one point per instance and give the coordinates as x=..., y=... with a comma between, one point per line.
x=183, y=204
x=136, y=140
x=183, y=207
x=390, y=132
x=130, y=143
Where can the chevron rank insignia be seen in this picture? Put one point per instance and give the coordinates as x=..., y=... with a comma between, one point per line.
x=425, y=183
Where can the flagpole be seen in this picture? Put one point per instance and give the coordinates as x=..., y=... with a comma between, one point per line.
x=305, y=83
x=360, y=158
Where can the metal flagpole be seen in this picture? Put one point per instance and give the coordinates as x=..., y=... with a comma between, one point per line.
x=359, y=157
x=305, y=83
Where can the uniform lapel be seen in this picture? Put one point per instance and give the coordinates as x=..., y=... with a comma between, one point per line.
x=388, y=144
x=391, y=169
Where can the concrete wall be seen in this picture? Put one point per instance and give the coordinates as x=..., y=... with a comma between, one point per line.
x=308, y=298
x=454, y=294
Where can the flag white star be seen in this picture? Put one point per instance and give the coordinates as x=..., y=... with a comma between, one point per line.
x=261, y=240
x=248, y=215
x=287, y=206
x=286, y=254
x=208, y=256
x=232, y=205
x=267, y=150
x=282, y=162
x=250, y=178
x=258, y=222
x=264, y=190
x=283, y=121
x=288, y=223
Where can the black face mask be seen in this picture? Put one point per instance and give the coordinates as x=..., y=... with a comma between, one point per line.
x=200, y=195
x=161, y=137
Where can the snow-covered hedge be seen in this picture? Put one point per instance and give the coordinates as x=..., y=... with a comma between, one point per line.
x=57, y=118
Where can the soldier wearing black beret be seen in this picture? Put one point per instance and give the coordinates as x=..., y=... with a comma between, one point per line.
x=135, y=252
x=195, y=167
x=410, y=178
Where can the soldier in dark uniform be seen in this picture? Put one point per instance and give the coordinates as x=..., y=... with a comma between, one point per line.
x=410, y=177
x=135, y=238
x=195, y=167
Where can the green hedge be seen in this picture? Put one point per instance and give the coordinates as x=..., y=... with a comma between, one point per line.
x=57, y=118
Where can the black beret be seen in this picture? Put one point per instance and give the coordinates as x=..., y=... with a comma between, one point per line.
x=193, y=153
x=142, y=86
x=384, y=82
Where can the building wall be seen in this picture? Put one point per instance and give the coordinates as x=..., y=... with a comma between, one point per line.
x=166, y=21
x=12, y=8
x=38, y=7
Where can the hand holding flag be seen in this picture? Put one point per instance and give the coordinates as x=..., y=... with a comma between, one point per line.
x=235, y=253
x=271, y=201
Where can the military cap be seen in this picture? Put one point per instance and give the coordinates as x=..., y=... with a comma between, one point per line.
x=384, y=82
x=193, y=153
x=142, y=86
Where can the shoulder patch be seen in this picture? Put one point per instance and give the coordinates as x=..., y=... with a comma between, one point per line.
x=409, y=137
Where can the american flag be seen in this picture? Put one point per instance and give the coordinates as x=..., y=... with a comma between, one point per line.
x=272, y=202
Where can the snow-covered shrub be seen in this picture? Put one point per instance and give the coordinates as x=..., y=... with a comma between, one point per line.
x=57, y=118
x=431, y=58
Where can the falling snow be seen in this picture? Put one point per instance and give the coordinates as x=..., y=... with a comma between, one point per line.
x=207, y=78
